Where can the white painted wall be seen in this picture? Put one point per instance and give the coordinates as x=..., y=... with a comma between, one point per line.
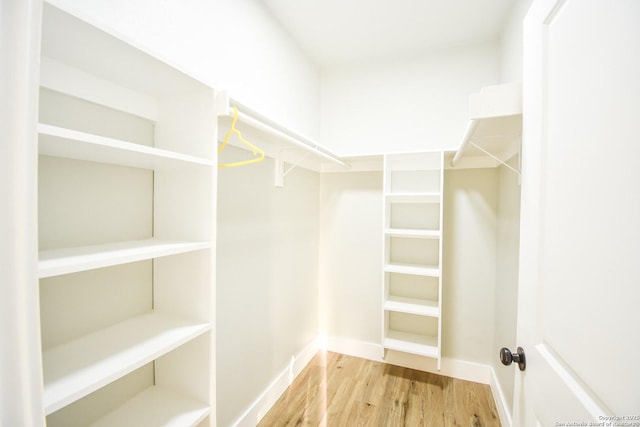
x=511, y=43
x=351, y=256
x=418, y=104
x=469, y=268
x=267, y=278
x=232, y=45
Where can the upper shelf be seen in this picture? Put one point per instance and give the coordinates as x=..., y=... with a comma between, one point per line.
x=69, y=143
x=494, y=131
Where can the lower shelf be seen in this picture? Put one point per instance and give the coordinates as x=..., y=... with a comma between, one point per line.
x=156, y=406
x=75, y=369
x=421, y=345
x=416, y=306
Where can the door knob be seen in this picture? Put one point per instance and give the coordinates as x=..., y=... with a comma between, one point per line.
x=506, y=357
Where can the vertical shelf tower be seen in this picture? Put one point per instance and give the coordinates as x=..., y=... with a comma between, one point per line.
x=126, y=212
x=412, y=264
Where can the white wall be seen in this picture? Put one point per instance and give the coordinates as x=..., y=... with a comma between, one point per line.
x=511, y=43
x=351, y=256
x=267, y=278
x=414, y=105
x=469, y=269
x=232, y=45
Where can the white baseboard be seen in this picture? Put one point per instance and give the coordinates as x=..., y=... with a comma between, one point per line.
x=362, y=349
x=500, y=400
x=455, y=368
x=258, y=409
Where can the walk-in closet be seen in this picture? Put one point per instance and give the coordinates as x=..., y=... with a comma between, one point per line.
x=268, y=212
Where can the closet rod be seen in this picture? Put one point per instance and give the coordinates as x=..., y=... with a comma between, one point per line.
x=260, y=122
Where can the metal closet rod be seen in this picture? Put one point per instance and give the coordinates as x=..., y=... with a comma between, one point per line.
x=260, y=122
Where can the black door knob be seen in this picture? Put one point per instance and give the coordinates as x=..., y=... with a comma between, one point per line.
x=506, y=357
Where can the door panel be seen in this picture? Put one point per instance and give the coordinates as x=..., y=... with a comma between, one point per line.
x=580, y=238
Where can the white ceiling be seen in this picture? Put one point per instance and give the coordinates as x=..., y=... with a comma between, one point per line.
x=334, y=32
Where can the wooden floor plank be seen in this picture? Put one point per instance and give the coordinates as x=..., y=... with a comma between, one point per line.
x=339, y=390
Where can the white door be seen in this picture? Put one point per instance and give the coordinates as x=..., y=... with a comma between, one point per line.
x=579, y=291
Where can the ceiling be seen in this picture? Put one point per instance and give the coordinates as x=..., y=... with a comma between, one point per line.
x=338, y=32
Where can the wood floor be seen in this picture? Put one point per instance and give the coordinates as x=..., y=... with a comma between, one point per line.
x=338, y=390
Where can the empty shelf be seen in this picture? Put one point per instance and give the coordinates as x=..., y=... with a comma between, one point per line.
x=416, y=270
x=56, y=262
x=412, y=306
x=77, y=368
x=72, y=144
x=156, y=406
x=430, y=198
x=412, y=343
x=405, y=232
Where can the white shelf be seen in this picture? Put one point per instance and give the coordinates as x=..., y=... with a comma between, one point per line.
x=156, y=406
x=412, y=306
x=72, y=144
x=56, y=262
x=426, y=198
x=412, y=343
x=416, y=270
x=410, y=232
x=75, y=369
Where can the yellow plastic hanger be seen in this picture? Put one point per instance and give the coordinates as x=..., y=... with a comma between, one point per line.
x=256, y=150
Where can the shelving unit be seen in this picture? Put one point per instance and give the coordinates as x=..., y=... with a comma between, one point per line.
x=412, y=264
x=126, y=197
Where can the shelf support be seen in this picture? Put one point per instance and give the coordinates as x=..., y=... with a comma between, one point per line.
x=281, y=172
x=495, y=158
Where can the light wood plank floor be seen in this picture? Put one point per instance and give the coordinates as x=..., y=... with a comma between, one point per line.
x=338, y=390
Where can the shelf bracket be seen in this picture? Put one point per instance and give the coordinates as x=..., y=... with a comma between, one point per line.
x=497, y=159
x=281, y=172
